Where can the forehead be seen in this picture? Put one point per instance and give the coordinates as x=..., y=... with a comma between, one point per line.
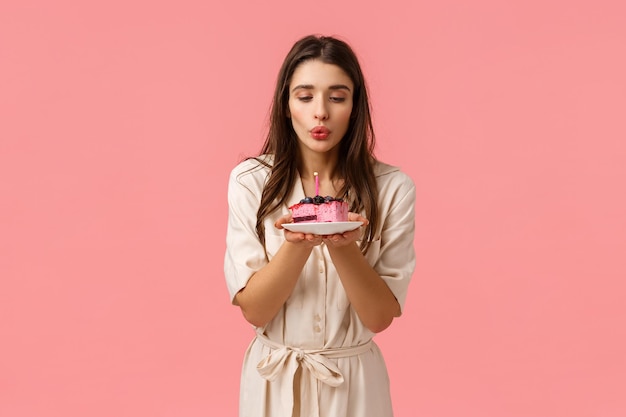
x=320, y=75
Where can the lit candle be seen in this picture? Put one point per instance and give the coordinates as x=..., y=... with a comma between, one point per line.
x=317, y=183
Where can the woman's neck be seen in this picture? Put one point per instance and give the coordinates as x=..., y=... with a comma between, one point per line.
x=325, y=166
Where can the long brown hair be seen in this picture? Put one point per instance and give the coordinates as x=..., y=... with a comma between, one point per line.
x=356, y=148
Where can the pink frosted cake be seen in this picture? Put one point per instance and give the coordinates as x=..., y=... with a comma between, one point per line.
x=320, y=209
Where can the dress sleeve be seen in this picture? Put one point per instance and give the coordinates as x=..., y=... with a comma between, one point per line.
x=396, y=260
x=244, y=252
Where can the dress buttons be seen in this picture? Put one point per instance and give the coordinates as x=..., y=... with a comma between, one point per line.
x=317, y=329
x=317, y=317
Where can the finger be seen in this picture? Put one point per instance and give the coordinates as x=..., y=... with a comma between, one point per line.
x=282, y=220
x=356, y=217
x=313, y=238
x=294, y=237
x=333, y=238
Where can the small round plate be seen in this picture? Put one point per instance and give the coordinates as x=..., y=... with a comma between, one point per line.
x=329, y=228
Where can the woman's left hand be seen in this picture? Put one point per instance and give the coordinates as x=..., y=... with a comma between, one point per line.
x=346, y=238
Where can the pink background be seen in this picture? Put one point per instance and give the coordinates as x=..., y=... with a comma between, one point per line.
x=119, y=123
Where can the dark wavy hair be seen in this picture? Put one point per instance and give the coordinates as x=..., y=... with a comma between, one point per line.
x=356, y=148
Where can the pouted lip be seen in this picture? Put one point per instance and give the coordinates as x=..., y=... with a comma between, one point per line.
x=320, y=130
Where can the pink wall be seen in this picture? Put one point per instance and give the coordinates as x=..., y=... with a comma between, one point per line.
x=120, y=122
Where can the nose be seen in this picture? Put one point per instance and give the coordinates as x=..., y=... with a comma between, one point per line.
x=321, y=112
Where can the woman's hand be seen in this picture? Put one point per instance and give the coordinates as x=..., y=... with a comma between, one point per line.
x=306, y=239
x=346, y=238
x=336, y=240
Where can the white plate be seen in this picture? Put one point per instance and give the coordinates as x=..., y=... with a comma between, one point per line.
x=328, y=228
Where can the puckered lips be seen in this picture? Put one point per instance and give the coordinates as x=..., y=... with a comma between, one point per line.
x=320, y=132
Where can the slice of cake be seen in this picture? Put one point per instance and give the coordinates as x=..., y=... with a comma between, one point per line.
x=319, y=209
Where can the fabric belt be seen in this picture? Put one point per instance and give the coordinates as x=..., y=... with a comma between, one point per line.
x=281, y=365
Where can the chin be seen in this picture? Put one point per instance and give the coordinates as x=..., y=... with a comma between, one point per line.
x=323, y=149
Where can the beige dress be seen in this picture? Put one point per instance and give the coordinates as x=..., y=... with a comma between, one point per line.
x=316, y=358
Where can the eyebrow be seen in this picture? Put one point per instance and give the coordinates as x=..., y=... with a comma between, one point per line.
x=311, y=87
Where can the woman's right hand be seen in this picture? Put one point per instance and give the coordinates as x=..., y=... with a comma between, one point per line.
x=270, y=286
x=307, y=239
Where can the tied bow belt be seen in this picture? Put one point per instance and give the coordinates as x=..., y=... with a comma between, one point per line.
x=282, y=363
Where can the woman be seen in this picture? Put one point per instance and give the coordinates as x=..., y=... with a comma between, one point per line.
x=316, y=301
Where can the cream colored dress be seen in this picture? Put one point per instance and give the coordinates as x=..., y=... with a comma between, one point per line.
x=316, y=358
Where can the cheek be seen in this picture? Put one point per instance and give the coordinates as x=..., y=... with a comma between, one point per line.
x=296, y=115
x=346, y=111
x=345, y=115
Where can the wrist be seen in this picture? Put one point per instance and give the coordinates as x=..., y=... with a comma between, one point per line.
x=351, y=248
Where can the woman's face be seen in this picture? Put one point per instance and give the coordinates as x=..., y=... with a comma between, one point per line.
x=320, y=104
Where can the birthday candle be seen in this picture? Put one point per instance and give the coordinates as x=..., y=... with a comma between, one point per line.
x=317, y=183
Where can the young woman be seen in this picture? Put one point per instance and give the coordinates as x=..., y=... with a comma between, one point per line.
x=316, y=301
